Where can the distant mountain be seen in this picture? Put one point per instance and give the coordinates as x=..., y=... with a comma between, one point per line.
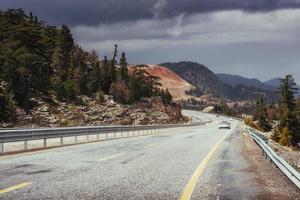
x=236, y=80
x=274, y=82
x=207, y=82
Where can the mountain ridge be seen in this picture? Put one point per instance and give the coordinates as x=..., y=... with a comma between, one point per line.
x=235, y=80
x=274, y=82
x=206, y=82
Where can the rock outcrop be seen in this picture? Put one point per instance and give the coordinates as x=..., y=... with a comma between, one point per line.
x=50, y=112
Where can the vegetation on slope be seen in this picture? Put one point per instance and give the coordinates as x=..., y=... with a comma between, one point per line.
x=39, y=59
x=285, y=114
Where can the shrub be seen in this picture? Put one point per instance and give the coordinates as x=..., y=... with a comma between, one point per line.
x=64, y=122
x=285, y=137
x=100, y=97
x=65, y=90
x=119, y=91
x=249, y=121
x=7, y=103
x=275, y=135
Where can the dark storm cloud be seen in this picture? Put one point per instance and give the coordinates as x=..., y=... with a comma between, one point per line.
x=254, y=38
x=261, y=44
x=92, y=12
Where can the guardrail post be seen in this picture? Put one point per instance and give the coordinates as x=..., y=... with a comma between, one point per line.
x=25, y=145
x=1, y=148
x=88, y=137
x=61, y=141
x=76, y=139
x=45, y=142
x=98, y=137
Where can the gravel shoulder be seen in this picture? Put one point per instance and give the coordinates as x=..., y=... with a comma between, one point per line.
x=273, y=183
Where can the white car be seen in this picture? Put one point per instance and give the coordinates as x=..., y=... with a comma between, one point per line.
x=224, y=124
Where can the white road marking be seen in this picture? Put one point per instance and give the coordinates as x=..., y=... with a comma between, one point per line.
x=110, y=157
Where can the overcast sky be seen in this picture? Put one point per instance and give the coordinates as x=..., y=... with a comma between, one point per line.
x=253, y=38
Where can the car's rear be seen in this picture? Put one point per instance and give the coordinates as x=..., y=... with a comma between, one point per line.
x=224, y=125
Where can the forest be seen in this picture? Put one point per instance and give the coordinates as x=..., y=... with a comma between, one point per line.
x=40, y=59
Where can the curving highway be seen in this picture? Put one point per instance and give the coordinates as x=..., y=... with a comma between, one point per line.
x=196, y=163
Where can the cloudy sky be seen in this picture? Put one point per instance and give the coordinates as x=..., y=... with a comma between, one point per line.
x=253, y=38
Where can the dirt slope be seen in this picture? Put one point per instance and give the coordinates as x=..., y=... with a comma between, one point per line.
x=176, y=85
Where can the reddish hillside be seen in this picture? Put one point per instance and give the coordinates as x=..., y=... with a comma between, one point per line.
x=176, y=85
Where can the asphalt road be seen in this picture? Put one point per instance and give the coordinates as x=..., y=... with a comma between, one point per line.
x=187, y=163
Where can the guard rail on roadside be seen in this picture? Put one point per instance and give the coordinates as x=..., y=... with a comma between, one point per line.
x=286, y=168
x=18, y=135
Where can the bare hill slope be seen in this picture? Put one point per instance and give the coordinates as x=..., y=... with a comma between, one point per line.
x=176, y=85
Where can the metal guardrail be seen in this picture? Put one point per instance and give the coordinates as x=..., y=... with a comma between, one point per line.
x=17, y=135
x=286, y=168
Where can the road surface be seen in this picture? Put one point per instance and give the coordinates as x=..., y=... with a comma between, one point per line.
x=196, y=163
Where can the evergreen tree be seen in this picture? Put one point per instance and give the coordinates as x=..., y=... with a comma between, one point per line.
x=67, y=61
x=137, y=83
x=7, y=103
x=80, y=72
x=96, y=76
x=262, y=116
x=113, y=69
x=65, y=45
x=106, y=76
x=289, y=126
x=153, y=84
x=124, y=69
x=166, y=96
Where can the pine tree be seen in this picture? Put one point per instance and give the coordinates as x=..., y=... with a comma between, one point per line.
x=65, y=45
x=262, y=116
x=153, y=84
x=106, y=80
x=289, y=125
x=124, y=69
x=168, y=96
x=96, y=75
x=80, y=71
x=113, y=69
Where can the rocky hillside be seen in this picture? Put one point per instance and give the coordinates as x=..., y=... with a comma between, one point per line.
x=206, y=82
x=175, y=84
x=50, y=112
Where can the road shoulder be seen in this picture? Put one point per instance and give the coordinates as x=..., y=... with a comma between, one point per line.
x=273, y=183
